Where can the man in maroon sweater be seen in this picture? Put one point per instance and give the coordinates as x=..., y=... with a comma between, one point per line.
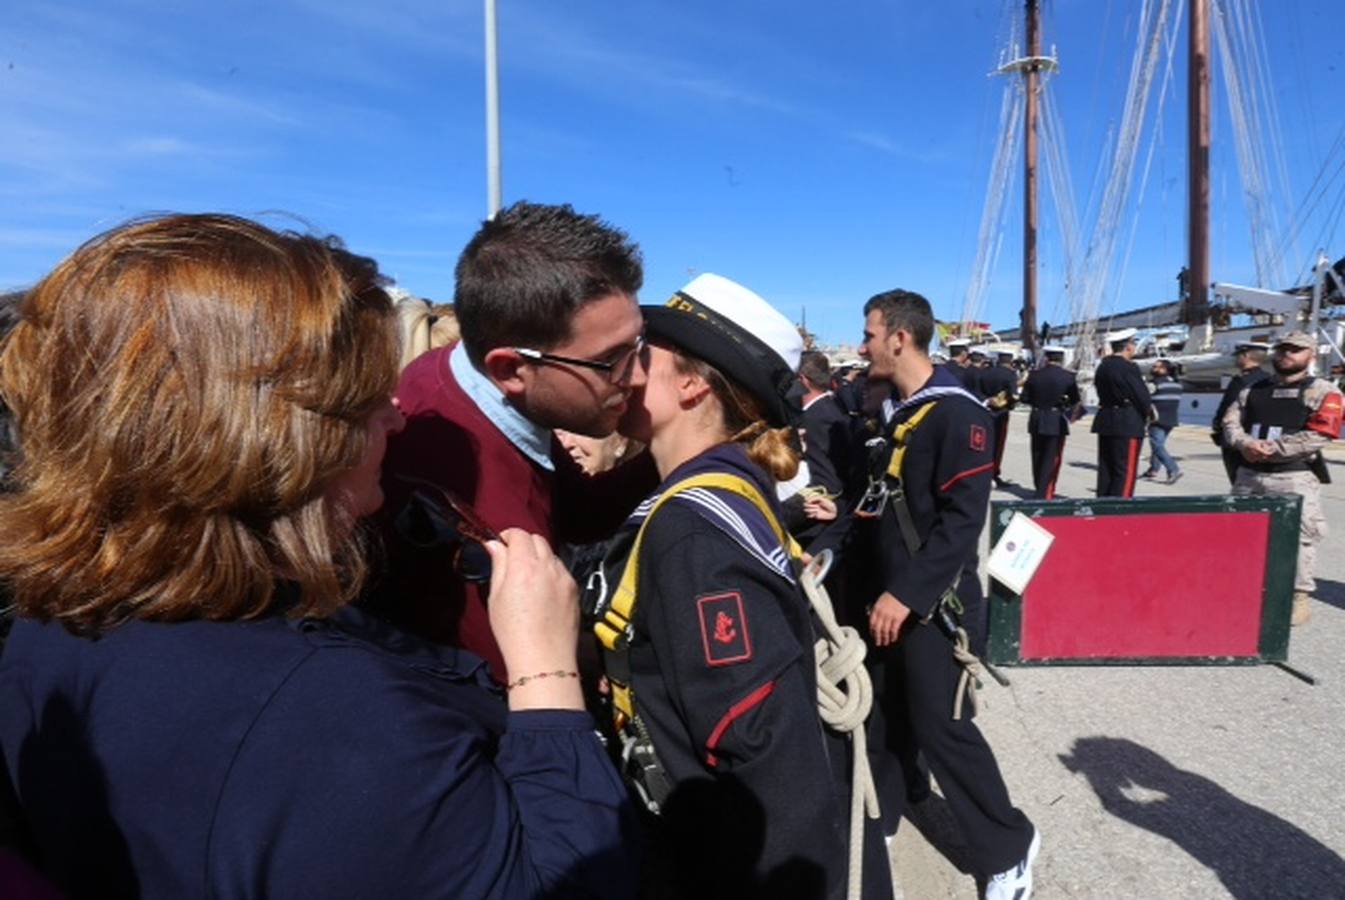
x=551, y=338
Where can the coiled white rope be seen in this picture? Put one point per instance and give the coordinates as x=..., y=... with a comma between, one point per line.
x=844, y=698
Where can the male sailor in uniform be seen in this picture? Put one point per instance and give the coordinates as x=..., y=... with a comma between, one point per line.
x=999, y=384
x=922, y=569
x=1053, y=394
x=1124, y=409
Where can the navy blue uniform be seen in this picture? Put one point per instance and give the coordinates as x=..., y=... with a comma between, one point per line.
x=994, y=381
x=827, y=432
x=947, y=478
x=1124, y=409
x=722, y=669
x=1052, y=391
x=313, y=758
x=968, y=376
x=1232, y=458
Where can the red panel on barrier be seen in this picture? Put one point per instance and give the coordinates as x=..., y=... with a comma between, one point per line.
x=1148, y=586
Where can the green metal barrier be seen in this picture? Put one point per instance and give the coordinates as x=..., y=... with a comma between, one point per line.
x=1183, y=580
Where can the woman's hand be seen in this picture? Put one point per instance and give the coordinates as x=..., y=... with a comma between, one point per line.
x=534, y=613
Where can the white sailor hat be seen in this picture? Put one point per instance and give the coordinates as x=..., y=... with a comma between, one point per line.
x=955, y=343
x=1053, y=350
x=1006, y=352
x=737, y=332
x=1248, y=346
x=1120, y=337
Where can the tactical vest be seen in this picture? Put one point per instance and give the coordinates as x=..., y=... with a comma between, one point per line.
x=1274, y=411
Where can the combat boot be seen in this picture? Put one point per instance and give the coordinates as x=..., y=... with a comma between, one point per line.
x=1301, y=611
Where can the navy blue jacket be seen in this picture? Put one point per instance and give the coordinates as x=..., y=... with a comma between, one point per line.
x=946, y=474
x=1123, y=400
x=1052, y=391
x=722, y=669
x=998, y=379
x=314, y=758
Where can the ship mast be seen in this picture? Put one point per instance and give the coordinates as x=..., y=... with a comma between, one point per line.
x=1196, y=310
x=1028, y=325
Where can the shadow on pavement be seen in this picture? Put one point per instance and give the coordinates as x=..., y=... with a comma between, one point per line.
x=1080, y=464
x=1332, y=593
x=1019, y=491
x=1254, y=853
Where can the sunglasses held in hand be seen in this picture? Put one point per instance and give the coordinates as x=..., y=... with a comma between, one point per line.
x=433, y=517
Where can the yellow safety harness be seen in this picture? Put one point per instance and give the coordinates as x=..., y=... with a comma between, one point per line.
x=844, y=692
x=886, y=486
x=614, y=629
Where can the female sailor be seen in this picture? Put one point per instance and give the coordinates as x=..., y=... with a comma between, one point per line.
x=709, y=637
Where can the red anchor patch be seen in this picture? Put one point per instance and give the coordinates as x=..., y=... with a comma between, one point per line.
x=724, y=629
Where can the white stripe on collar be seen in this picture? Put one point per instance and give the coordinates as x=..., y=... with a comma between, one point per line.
x=727, y=519
x=532, y=440
x=924, y=395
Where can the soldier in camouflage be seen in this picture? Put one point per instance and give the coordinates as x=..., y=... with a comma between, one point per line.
x=1280, y=426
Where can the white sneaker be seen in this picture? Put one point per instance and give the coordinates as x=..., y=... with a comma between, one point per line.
x=1016, y=883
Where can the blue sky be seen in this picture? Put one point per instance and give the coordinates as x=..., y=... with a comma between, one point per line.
x=817, y=153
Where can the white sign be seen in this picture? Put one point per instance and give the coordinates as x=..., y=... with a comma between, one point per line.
x=1018, y=553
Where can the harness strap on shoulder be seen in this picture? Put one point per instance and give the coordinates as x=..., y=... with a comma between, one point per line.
x=901, y=439
x=613, y=629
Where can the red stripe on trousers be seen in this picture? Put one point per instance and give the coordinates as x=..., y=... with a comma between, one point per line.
x=1132, y=463
x=1055, y=471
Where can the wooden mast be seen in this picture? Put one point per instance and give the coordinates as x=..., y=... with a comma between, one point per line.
x=1197, y=307
x=1028, y=324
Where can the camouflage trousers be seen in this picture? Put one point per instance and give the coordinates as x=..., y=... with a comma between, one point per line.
x=1312, y=526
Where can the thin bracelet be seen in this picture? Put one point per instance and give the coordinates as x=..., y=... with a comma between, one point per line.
x=559, y=673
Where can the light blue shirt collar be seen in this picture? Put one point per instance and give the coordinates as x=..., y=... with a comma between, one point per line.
x=532, y=440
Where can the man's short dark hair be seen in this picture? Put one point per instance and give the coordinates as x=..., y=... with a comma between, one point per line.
x=906, y=310
x=815, y=367
x=526, y=272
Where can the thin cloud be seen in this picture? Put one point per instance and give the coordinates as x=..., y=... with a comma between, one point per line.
x=886, y=145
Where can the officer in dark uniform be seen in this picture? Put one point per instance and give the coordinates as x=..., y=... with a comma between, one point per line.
x=1250, y=356
x=959, y=365
x=1053, y=393
x=977, y=364
x=999, y=386
x=1124, y=410
x=826, y=435
x=921, y=561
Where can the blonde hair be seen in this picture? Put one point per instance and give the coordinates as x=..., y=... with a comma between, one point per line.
x=186, y=389
x=770, y=448
x=424, y=326
x=414, y=321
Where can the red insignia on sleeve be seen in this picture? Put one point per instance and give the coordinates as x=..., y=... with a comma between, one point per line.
x=1327, y=419
x=724, y=629
x=978, y=438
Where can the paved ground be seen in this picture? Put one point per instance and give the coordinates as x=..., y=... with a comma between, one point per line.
x=1167, y=782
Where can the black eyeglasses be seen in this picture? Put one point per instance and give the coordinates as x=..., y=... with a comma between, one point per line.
x=617, y=370
x=433, y=518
